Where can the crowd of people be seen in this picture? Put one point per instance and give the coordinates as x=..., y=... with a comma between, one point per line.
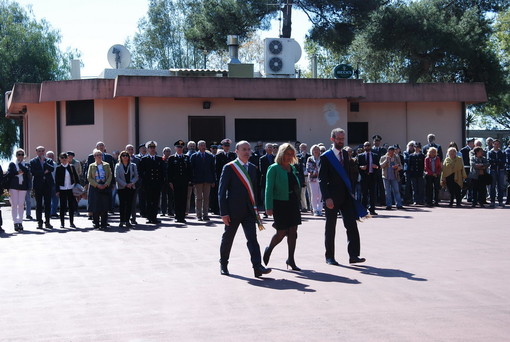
x=282, y=181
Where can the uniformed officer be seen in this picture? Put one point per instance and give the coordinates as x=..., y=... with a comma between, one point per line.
x=179, y=176
x=151, y=169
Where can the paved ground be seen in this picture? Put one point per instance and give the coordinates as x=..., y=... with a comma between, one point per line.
x=435, y=274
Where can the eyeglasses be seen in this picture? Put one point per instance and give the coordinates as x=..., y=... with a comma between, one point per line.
x=125, y=155
x=20, y=154
x=63, y=157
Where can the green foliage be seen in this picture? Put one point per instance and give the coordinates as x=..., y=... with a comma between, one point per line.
x=160, y=42
x=28, y=53
x=211, y=21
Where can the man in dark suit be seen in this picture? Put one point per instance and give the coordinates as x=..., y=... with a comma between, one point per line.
x=43, y=183
x=368, y=163
x=264, y=162
x=431, y=138
x=221, y=158
x=237, y=207
x=470, y=144
x=179, y=176
x=203, y=176
x=151, y=170
x=338, y=197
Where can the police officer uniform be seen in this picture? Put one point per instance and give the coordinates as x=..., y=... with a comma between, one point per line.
x=151, y=169
x=179, y=176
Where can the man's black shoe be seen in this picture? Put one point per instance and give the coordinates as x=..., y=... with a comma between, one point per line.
x=356, y=260
x=224, y=270
x=373, y=213
x=259, y=271
x=331, y=261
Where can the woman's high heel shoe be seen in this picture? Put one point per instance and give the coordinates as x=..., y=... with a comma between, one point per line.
x=292, y=266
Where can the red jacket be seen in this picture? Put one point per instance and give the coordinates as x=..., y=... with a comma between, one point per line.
x=428, y=166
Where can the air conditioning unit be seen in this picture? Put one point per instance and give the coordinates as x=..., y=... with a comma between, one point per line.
x=280, y=56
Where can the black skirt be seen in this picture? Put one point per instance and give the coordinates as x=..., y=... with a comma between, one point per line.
x=286, y=213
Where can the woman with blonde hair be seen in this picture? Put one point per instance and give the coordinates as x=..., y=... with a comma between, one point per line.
x=312, y=167
x=282, y=198
x=18, y=174
x=99, y=176
x=453, y=175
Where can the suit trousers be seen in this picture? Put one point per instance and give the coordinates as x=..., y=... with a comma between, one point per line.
x=180, y=198
x=202, y=193
x=152, y=195
x=369, y=190
x=43, y=199
x=351, y=226
x=67, y=201
x=250, y=231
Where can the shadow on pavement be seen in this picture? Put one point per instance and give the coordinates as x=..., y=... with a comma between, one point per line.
x=275, y=284
x=384, y=272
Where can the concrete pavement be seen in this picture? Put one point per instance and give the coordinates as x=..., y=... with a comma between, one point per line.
x=432, y=274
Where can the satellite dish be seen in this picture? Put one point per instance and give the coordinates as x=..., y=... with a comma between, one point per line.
x=119, y=57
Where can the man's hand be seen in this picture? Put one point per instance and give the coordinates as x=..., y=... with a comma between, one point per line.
x=269, y=212
x=329, y=203
x=226, y=220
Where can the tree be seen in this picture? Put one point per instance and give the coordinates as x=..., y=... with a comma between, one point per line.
x=28, y=53
x=211, y=21
x=160, y=42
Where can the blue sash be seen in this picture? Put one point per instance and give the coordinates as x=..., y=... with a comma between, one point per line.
x=361, y=211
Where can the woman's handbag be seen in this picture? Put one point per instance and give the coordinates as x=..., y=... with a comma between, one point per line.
x=78, y=190
x=444, y=194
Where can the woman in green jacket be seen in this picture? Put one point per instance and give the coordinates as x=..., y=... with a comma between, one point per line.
x=282, y=196
x=99, y=176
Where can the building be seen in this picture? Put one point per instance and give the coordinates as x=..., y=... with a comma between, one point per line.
x=75, y=114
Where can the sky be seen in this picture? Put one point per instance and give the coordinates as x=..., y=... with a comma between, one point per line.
x=93, y=26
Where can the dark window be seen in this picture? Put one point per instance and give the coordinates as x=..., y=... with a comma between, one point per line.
x=265, y=129
x=207, y=128
x=80, y=112
x=354, y=106
x=357, y=132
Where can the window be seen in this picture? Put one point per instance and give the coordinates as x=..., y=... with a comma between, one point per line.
x=79, y=112
x=354, y=106
x=265, y=129
x=357, y=132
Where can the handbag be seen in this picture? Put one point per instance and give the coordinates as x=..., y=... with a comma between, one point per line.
x=78, y=190
x=444, y=194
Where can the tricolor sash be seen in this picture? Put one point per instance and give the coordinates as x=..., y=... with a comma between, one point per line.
x=244, y=177
x=361, y=211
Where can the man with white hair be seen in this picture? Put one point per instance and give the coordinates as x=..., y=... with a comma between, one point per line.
x=431, y=138
x=41, y=169
x=203, y=178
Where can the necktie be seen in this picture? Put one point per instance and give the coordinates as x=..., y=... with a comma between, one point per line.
x=370, y=162
x=246, y=167
x=341, y=158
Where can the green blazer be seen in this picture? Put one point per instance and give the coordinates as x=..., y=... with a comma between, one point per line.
x=91, y=175
x=277, y=184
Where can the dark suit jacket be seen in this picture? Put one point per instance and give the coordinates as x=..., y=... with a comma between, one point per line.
x=331, y=184
x=465, y=155
x=363, y=161
x=263, y=166
x=202, y=169
x=233, y=197
x=42, y=180
x=60, y=176
x=152, y=172
x=221, y=159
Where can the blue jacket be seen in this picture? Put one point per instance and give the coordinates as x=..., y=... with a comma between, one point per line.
x=12, y=173
x=202, y=169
